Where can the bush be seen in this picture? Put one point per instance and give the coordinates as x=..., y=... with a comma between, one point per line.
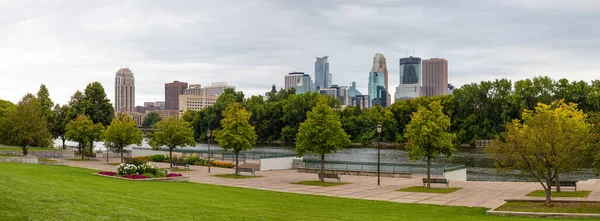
x=147, y=167
x=149, y=175
x=137, y=160
x=126, y=169
x=158, y=158
x=192, y=160
x=222, y=164
x=134, y=177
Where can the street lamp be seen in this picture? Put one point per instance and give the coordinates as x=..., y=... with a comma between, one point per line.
x=208, y=133
x=378, y=156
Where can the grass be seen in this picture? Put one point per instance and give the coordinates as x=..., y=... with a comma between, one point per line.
x=582, y=193
x=235, y=176
x=421, y=189
x=319, y=183
x=556, y=207
x=48, y=192
x=30, y=149
x=7, y=155
x=46, y=160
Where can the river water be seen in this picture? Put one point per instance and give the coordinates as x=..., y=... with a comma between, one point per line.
x=480, y=166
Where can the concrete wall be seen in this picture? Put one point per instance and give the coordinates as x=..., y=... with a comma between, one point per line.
x=280, y=163
x=31, y=160
x=456, y=175
x=113, y=155
x=44, y=154
x=358, y=173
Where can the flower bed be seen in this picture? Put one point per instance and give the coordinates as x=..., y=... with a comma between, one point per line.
x=134, y=177
x=107, y=173
x=174, y=175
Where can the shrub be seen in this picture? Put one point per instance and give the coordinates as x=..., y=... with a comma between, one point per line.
x=222, y=164
x=149, y=175
x=158, y=158
x=126, y=169
x=147, y=167
x=192, y=160
x=137, y=160
x=160, y=174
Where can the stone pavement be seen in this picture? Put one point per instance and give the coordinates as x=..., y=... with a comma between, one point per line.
x=472, y=194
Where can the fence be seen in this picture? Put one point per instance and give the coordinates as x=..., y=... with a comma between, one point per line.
x=414, y=168
x=222, y=155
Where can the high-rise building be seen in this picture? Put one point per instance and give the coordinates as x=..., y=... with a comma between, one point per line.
x=293, y=79
x=352, y=91
x=124, y=91
x=407, y=91
x=306, y=85
x=322, y=75
x=193, y=89
x=172, y=92
x=435, y=77
x=195, y=102
x=377, y=79
x=410, y=70
x=450, y=88
x=380, y=65
x=161, y=105
x=360, y=101
x=216, y=89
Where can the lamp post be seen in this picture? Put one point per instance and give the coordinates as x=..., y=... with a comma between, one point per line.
x=208, y=133
x=378, y=155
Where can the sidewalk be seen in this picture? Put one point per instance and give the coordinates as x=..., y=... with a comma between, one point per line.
x=473, y=194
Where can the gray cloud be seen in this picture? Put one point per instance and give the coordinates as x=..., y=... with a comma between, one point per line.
x=253, y=44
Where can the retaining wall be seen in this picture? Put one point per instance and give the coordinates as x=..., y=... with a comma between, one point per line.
x=279, y=163
x=456, y=175
x=44, y=154
x=30, y=160
x=358, y=173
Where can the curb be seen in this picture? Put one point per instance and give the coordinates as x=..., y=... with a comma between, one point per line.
x=541, y=214
x=173, y=179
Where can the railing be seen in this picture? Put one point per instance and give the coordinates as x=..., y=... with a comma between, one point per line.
x=225, y=155
x=414, y=168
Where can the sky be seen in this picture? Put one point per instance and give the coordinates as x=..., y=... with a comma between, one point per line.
x=254, y=44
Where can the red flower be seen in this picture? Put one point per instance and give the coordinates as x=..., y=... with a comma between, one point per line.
x=174, y=174
x=107, y=173
x=134, y=177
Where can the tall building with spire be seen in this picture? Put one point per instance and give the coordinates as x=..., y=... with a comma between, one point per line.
x=380, y=65
x=322, y=75
x=124, y=91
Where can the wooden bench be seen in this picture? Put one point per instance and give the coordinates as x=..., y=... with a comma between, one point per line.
x=437, y=180
x=565, y=183
x=247, y=170
x=330, y=176
x=183, y=164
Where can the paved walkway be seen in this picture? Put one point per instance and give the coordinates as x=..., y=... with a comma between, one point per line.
x=473, y=194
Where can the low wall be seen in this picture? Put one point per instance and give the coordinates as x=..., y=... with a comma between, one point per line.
x=30, y=160
x=113, y=155
x=358, y=173
x=456, y=175
x=279, y=163
x=43, y=154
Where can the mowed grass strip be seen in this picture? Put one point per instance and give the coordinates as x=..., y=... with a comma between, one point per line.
x=235, y=176
x=319, y=183
x=556, y=207
x=46, y=192
x=420, y=189
x=542, y=193
x=30, y=149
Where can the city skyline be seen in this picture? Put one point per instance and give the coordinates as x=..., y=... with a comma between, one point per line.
x=163, y=42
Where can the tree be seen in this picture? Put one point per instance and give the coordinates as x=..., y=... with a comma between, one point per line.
x=321, y=133
x=96, y=105
x=122, y=132
x=25, y=125
x=428, y=136
x=58, y=122
x=46, y=103
x=83, y=131
x=151, y=119
x=549, y=141
x=236, y=133
x=173, y=133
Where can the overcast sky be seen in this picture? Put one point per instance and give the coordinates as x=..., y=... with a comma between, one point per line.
x=253, y=44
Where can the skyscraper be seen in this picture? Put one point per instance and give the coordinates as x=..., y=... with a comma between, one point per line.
x=376, y=87
x=306, y=85
x=293, y=79
x=216, y=88
x=124, y=91
x=410, y=70
x=322, y=75
x=352, y=91
x=172, y=92
x=380, y=65
x=435, y=77
x=193, y=89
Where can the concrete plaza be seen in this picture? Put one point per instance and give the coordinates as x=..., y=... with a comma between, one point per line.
x=472, y=194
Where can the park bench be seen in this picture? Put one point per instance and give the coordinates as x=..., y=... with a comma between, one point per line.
x=565, y=183
x=330, y=176
x=183, y=164
x=437, y=180
x=247, y=170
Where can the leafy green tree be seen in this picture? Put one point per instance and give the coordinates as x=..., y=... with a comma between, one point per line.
x=172, y=133
x=4, y=106
x=25, y=125
x=122, y=132
x=96, y=105
x=549, y=141
x=321, y=133
x=58, y=122
x=151, y=119
x=76, y=105
x=428, y=136
x=46, y=103
x=83, y=131
x=236, y=133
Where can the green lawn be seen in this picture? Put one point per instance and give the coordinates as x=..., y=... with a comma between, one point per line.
x=571, y=207
x=46, y=160
x=30, y=149
x=582, y=193
x=6, y=155
x=235, y=176
x=47, y=192
x=319, y=183
x=421, y=189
